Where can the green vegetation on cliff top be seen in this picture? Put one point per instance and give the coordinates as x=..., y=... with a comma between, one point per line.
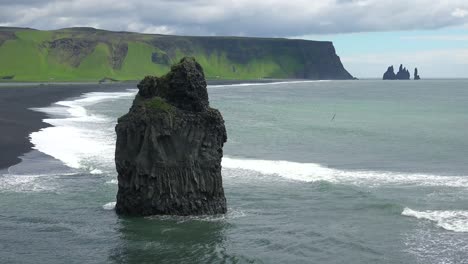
x=159, y=104
x=86, y=54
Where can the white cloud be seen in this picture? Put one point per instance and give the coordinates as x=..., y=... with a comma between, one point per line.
x=159, y=30
x=437, y=38
x=238, y=17
x=460, y=13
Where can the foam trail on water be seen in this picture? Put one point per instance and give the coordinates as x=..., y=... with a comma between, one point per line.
x=453, y=220
x=113, y=181
x=232, y=213
x=30, y=182
x=266, y=83
x=79, y=139
x=109, y=206
x=312, y=172
x=95, y=171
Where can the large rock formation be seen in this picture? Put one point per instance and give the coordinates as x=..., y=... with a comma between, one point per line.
x=169, y=147
x=402, y=74
x=416, y=74
x=389, y=74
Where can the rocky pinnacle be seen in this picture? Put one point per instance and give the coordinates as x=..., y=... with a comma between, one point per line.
x=169, y=147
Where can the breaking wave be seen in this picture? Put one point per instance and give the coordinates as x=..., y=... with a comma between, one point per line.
x=265, y=83
x=80, y=138
x=452, y=220
x=76, y=136
x=312, y=172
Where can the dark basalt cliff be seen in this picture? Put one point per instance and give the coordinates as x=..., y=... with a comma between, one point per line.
x=169, y=147
x=295, y=58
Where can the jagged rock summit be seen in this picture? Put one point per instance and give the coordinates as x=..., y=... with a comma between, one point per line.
x=169, y=147
x=389, y=74
x=416, y=74
x=402, y=74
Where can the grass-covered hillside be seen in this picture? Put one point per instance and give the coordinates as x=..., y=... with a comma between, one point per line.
x=87, y=54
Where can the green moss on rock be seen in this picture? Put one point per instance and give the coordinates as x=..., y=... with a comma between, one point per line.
x=159, y=104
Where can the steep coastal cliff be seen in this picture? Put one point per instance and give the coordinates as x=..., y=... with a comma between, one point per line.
x=88, y=54
x=169, y=147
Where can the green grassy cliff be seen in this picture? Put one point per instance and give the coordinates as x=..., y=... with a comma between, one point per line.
x=87, y=54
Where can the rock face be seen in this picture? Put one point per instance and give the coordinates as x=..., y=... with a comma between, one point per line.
x=389, y=74
x=78, y=50
x=402, y=74
x=72, y=51
x=416, y=74
x=169, y=147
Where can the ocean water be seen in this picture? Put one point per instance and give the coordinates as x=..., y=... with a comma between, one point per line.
x=314, y=172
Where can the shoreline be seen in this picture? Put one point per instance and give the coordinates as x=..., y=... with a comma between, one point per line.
x=18, y=120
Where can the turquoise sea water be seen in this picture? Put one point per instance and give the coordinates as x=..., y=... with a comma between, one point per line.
x=314, y=172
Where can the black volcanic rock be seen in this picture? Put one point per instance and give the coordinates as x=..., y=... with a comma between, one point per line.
x=402, y=74
x=416, y=74
x=389, y=74
x=169, y=147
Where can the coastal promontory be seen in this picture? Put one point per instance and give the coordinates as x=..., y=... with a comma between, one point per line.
x=169, y=147
x=83, y=54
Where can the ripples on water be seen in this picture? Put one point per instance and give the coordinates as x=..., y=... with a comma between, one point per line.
x=286, y=204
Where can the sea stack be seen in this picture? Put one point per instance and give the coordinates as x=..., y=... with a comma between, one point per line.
x=402, y=74
x=169, y=147
x=416, y=74
x=389, y=74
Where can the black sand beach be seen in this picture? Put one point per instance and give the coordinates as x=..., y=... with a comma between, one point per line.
x=17, y=120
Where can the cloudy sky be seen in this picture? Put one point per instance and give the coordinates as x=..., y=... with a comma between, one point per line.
x=369, y=35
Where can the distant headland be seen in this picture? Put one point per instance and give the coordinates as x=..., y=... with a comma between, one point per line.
x=402, y=74
x=91, y=55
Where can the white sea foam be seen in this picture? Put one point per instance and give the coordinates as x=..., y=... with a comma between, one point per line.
x=113, y=181
x=95, y=171
x=454, y=220
x=312, y=172
x=231, y=214
x=30, y=182
x=69, y=144
x=75, y=137
x=75, y=140
x=266, y=83
x=109, y=206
